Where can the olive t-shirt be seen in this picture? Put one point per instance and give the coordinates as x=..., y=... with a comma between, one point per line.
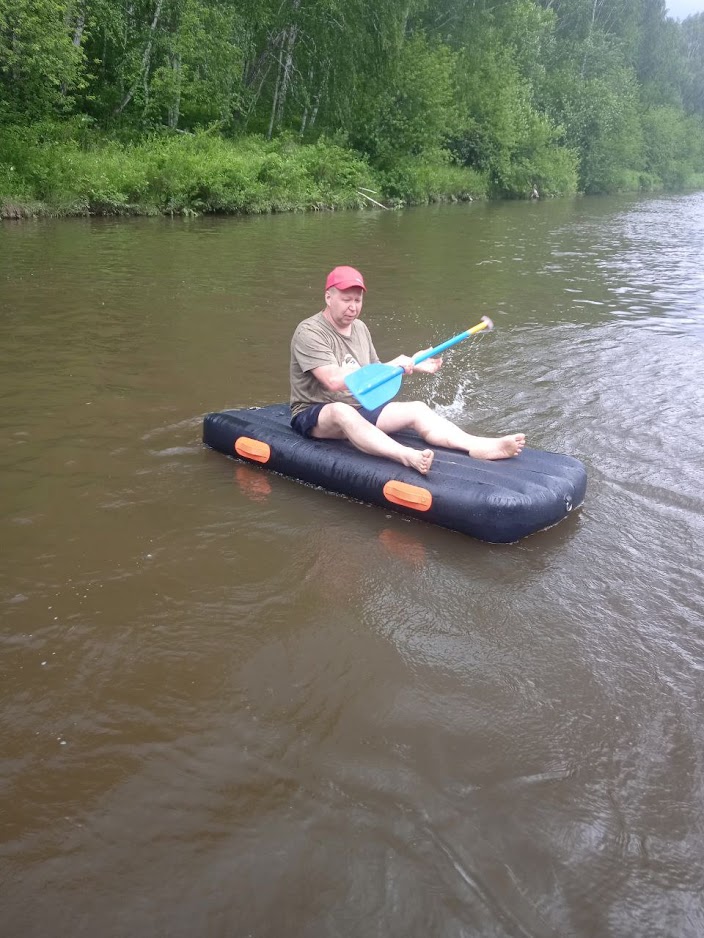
x=315, y=343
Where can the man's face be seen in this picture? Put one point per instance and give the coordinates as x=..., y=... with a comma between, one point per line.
x=344, y=305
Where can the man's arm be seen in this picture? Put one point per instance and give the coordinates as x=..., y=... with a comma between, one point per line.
x=428, y=367
x=332, y=377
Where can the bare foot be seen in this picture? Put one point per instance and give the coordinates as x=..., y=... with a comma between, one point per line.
x=502, y=447
x=420, y=460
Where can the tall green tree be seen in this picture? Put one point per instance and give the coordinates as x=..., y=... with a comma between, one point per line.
x=413, y=111
x=693, y=46
x=164, y=62
x=41, y=57
x=660, y=64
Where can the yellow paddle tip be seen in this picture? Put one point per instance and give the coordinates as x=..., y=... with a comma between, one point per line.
x=484, y=323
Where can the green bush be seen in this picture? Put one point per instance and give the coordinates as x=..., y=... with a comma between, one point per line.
x=12, y=185
x=178, y=174
x=419, y=181
x=336, y=173
x=553, y=170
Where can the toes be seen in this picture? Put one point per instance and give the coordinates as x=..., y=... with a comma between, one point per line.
x=426, y=460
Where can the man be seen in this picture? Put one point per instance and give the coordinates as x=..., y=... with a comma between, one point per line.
x=334, y=342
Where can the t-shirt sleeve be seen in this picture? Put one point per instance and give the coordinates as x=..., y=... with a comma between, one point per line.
x=371, y=351
x=373, y=357
x=311, y=349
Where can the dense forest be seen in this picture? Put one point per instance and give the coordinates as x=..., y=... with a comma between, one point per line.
x=261, y=105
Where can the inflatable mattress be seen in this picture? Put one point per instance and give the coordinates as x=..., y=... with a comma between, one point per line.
x=500, y=501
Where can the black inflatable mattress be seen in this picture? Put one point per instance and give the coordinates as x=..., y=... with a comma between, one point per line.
x=500, y=501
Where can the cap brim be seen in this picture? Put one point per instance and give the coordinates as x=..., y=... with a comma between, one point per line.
x=346, y=284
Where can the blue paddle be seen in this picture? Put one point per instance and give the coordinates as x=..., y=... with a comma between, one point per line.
x=374, y=385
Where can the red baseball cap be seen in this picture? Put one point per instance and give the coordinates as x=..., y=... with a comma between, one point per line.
x=343, y=278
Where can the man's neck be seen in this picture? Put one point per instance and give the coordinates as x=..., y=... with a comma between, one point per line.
x=328, y=319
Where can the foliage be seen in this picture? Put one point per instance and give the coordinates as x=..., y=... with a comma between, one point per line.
x=601, y=114
x=504, y=131
x=693, y=84
x=414, y=113
x=208, y=105
x=185, y=174
x=39, y=62
x=674, y=144
x=414, y=181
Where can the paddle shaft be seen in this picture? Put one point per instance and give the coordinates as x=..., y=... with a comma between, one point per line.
x=486, y=323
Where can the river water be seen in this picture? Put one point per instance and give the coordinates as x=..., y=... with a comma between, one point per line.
x=233, y=705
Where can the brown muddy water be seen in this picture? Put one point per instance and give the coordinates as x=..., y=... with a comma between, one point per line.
x=233, y=705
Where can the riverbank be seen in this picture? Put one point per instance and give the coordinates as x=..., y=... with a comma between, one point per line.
x=53, y=171
x=200, y=174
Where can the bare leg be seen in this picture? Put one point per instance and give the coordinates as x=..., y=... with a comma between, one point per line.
x=438, y=431
x=341, y=421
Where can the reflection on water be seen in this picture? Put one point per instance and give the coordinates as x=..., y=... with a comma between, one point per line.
x=234, y=704
x=405, y=546
x=253, y=483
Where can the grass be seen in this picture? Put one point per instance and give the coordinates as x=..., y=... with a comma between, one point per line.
x=45, y=171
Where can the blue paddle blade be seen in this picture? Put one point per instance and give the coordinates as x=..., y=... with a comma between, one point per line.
x=375, y=385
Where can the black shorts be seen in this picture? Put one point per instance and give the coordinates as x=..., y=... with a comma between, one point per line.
x=304, y=422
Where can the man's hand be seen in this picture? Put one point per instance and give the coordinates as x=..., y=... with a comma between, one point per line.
x=430, y=365
x=403, y=361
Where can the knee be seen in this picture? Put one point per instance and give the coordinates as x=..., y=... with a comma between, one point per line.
x=422, y=415
x=341, y=414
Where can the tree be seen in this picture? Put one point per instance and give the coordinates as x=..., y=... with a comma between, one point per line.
x=41, y=56
x=693, y=44
x=602, y=119
x=412, y=113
